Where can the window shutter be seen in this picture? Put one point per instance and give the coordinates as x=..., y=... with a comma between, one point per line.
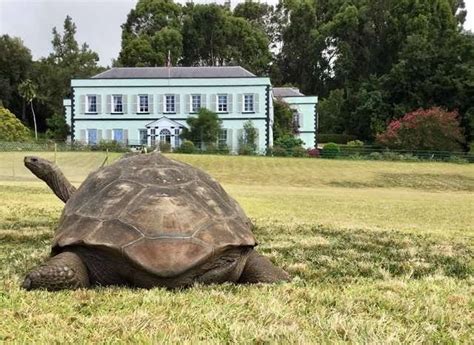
x=124, y=104
x=108, y=108
x=125, y=136
x=229, y=138
x=240, y=103
x=108, y=134
x=160, y=104
x=240, y=137
x=177, y=104
x=203, y=101
x=99, y=104
x=300, y=120
x=150, y=104
x=256, y=103
x=99, y=135
x=230, y=104
x=82, y=135
x=213, y=103
x=134, y=104
x=82, y=104
x=188, y=103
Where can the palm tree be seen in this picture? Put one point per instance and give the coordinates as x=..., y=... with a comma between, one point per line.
x=27, y=90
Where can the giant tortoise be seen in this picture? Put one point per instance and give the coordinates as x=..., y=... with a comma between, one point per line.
x=147, y=221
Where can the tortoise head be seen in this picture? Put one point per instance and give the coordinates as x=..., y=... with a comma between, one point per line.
x=39, y=166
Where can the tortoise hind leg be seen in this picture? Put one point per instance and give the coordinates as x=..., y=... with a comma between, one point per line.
x=63, y=271
x=260, y=269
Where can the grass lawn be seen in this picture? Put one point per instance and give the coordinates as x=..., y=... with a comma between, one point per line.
x=380, y=252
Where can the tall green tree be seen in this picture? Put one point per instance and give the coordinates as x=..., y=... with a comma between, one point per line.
x=28, y=90
x=53, y=74
x=15, y=66
x=203, y=128
x=152, y=29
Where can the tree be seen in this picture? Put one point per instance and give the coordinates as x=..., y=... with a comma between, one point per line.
x=152, y=29
x=248, y=141
x=58, y=129
x=203, y=129
x=15, y=65
x=11, y=129
x=28, y=90
x=53, y=74
x=432, y=129
x=282, y=120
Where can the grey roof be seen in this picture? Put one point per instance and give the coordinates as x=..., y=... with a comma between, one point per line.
x=174, y=72
x=286, y=92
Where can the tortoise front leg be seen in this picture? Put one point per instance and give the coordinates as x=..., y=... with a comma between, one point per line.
x=63, y=271
x=259, y=269
x=52, y=175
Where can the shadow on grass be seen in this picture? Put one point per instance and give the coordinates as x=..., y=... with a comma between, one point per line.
x=322, y=254
x=430, y=182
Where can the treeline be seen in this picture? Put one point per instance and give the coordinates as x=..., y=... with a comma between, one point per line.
x=369, y=61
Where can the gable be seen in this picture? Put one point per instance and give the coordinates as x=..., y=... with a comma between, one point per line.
x=164, y=122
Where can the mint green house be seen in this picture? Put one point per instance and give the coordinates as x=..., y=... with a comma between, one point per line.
x=146, y=105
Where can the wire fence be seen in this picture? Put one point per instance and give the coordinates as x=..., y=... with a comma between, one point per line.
x=106, y=151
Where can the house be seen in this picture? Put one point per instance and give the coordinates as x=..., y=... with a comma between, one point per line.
x=147, y=105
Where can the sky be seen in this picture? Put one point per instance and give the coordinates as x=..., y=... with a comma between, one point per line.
x=98, y=22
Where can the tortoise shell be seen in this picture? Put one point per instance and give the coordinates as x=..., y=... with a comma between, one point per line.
x=165, y=216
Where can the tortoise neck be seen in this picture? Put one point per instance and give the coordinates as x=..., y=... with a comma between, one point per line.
x=59, y=184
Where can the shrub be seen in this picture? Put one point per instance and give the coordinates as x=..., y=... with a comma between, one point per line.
x=331, y=150
x=279, y=151
x=433, y=129
x=11, y=129
x=223, y=149
x=314, y=152
x=165, y=147
x=355, y=143
x=187, y=146
x=299, y=151
x=336, y=138
x=246, y=150
x=111, y=145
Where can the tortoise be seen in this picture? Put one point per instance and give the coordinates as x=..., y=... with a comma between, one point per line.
x=147, y=221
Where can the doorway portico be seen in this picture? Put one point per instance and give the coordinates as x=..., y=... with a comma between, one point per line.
x=164, y=130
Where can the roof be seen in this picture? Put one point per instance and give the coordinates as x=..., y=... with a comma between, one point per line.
x=174, y=72
x=286, y=92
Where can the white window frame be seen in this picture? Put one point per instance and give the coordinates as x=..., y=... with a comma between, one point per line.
x=222, y=107
x=89, y=131
x=222, y=137
x=89, y=103
x=116, y=104
x=146, y=107
x=115, y=130
x=143, y=141
x=249, y=107
x=170, y=107
x=195, y=106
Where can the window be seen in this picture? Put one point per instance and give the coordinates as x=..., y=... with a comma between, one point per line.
x=91, y=103
x=152, y=136
x=143, y=104
x=195, y=103
x=222, y=103
x=170, y=105
x=222, y=141
x=176, y=137
x=118, y=135
x=117, y=104
x=165, y=136
x=248, y=103
x=143, y=135
x=92, y=136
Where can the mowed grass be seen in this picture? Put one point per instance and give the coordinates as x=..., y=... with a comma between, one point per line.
x=379, y=252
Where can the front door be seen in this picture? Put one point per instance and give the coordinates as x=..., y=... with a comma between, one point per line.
x=165, y=136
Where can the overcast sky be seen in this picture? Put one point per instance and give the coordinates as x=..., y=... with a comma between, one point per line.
x=98, y=22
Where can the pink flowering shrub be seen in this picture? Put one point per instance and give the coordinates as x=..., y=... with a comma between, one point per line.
x=433, y=129
x=314, y=152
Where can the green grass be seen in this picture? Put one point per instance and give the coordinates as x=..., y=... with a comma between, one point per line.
x=380, y=252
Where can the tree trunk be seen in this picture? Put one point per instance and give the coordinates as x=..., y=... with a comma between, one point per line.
x=34, y=120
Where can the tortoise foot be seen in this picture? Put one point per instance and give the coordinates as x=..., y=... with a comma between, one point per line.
x=63, y=271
